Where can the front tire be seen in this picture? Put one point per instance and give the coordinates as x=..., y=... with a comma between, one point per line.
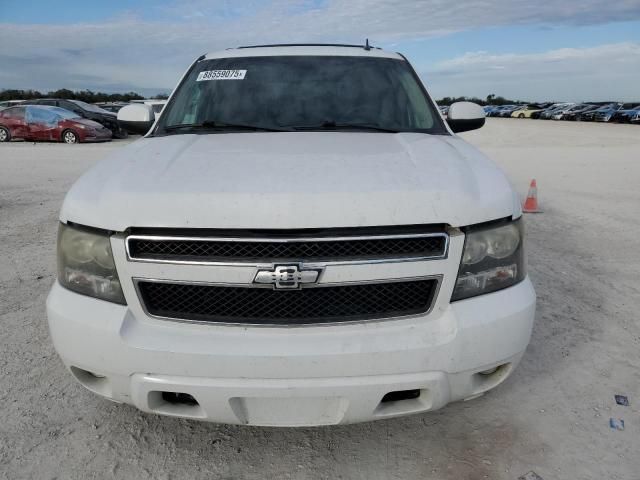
x=5, y=136
x=521, y=115
x=70, y=137
x=121, y=134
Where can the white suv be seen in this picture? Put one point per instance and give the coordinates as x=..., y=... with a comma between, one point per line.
x=300, y=239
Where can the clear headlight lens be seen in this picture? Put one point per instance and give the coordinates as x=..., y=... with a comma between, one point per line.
x=85, y=264
x=493, y=259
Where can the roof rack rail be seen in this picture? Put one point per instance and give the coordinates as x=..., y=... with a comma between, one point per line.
x=366, y=46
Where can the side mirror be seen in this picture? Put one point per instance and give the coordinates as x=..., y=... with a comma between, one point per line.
x=136, y=118
x=465, y=116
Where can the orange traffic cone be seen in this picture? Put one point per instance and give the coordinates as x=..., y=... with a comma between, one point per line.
x=531, y=203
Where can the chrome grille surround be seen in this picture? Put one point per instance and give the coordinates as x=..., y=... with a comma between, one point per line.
x=229, y=284
x=270, y=250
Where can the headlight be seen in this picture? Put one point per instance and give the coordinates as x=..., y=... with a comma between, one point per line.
x=492, y=259
x=85, y=264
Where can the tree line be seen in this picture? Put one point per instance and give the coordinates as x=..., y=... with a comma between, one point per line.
x=489, y=100
x=95, y=97
x=84, y=95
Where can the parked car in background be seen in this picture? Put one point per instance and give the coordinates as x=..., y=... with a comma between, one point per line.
x=559, y=113
x=539, y=114
x=607, y=114
x=444, y=109
x=589, y=115
x=491, y=110
x=624, y=114
x=494, y=110
x=497, y=111
x=536, y=115
x=85, y=110
x=44, y=123
x=574, y=115
x=506, y=112
x=527, y=111
x=550, y=112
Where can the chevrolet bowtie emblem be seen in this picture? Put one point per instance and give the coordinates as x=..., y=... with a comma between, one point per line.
x=287, y=276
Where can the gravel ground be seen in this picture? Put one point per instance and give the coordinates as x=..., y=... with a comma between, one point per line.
x=551, y=416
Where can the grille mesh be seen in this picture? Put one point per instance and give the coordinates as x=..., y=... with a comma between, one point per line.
x=216, y=250
x=266, y=306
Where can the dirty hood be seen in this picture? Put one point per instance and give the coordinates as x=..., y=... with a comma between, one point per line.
x=291, y=180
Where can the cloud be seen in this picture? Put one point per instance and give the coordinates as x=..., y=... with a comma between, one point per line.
x=402, y=18
x=133, y=51
x=565, y=73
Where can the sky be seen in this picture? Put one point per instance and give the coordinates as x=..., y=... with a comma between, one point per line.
x=533, y=50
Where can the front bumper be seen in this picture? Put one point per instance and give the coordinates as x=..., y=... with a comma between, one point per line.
x=99, y=136
x=277, y=376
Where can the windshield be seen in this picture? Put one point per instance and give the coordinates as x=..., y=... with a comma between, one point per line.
x=89, y=107
x=302, y=93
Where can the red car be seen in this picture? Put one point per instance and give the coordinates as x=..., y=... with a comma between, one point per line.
x=39, y=122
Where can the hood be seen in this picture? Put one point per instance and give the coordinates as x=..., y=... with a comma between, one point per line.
x=291, y=180
x=106, y=114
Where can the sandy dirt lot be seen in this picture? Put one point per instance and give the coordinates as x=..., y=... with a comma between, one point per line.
x=551, y=416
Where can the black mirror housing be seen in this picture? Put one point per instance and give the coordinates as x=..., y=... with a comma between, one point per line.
x=465, y=125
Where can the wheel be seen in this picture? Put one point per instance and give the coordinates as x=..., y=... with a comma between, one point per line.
x=69, y=136
x=121, y=134
x=5, y=136
x=521, y=115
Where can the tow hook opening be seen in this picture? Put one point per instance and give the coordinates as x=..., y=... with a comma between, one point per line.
x=400, y=395
x=401, y=402
x=179, y=398
x=179, y=404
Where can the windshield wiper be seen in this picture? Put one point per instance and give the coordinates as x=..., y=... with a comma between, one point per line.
x=214, y=125
x=332, y=125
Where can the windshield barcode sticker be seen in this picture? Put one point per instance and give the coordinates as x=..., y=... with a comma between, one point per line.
x=221, y=75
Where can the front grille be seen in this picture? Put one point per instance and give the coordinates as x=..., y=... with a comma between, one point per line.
x=266, y=306
x=271, y=250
